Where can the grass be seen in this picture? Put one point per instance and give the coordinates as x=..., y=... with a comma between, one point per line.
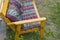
x=55, y=13
x=55, y=16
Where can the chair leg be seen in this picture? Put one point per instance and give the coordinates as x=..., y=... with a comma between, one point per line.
x=17, y=32
x=16, y=36
x=42, y=29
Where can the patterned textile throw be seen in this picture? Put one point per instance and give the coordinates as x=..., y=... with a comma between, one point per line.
x=29, y=13
x=15, y=13
x=14, y=10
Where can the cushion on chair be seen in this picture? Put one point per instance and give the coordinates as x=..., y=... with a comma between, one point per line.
x=15, y=13
x=14, y=10
x=29, y=13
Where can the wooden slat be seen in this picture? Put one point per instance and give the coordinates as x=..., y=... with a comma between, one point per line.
x=37, y=13
x=27, y=21
x=42, y=29
x=1, y=5
x=5, y=5
x=17, y=32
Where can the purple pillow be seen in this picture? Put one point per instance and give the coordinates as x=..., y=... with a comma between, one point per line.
x=14, y=10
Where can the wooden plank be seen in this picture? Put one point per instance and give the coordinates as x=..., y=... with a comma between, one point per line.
x=5, y=6
x=37, y=13
x=16, y=36
x=42, y=29
x=27, y=21
x=1, y=5
x=17, y=32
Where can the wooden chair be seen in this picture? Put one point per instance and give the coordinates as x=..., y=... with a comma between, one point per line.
x=16, y=26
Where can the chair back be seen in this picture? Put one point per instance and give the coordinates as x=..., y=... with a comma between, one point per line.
x=4, y=6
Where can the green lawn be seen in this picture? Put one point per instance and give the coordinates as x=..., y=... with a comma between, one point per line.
x=55, y=13
x=55, y=16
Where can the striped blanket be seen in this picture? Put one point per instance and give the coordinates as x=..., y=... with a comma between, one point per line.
x=29, y=13
x=20, y=12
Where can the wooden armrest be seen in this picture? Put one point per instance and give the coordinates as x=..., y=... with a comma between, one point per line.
x=27, y=21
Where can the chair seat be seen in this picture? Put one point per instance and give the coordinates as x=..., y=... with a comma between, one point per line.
x=14, y=13
x=29, y=13
x=31, y=25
